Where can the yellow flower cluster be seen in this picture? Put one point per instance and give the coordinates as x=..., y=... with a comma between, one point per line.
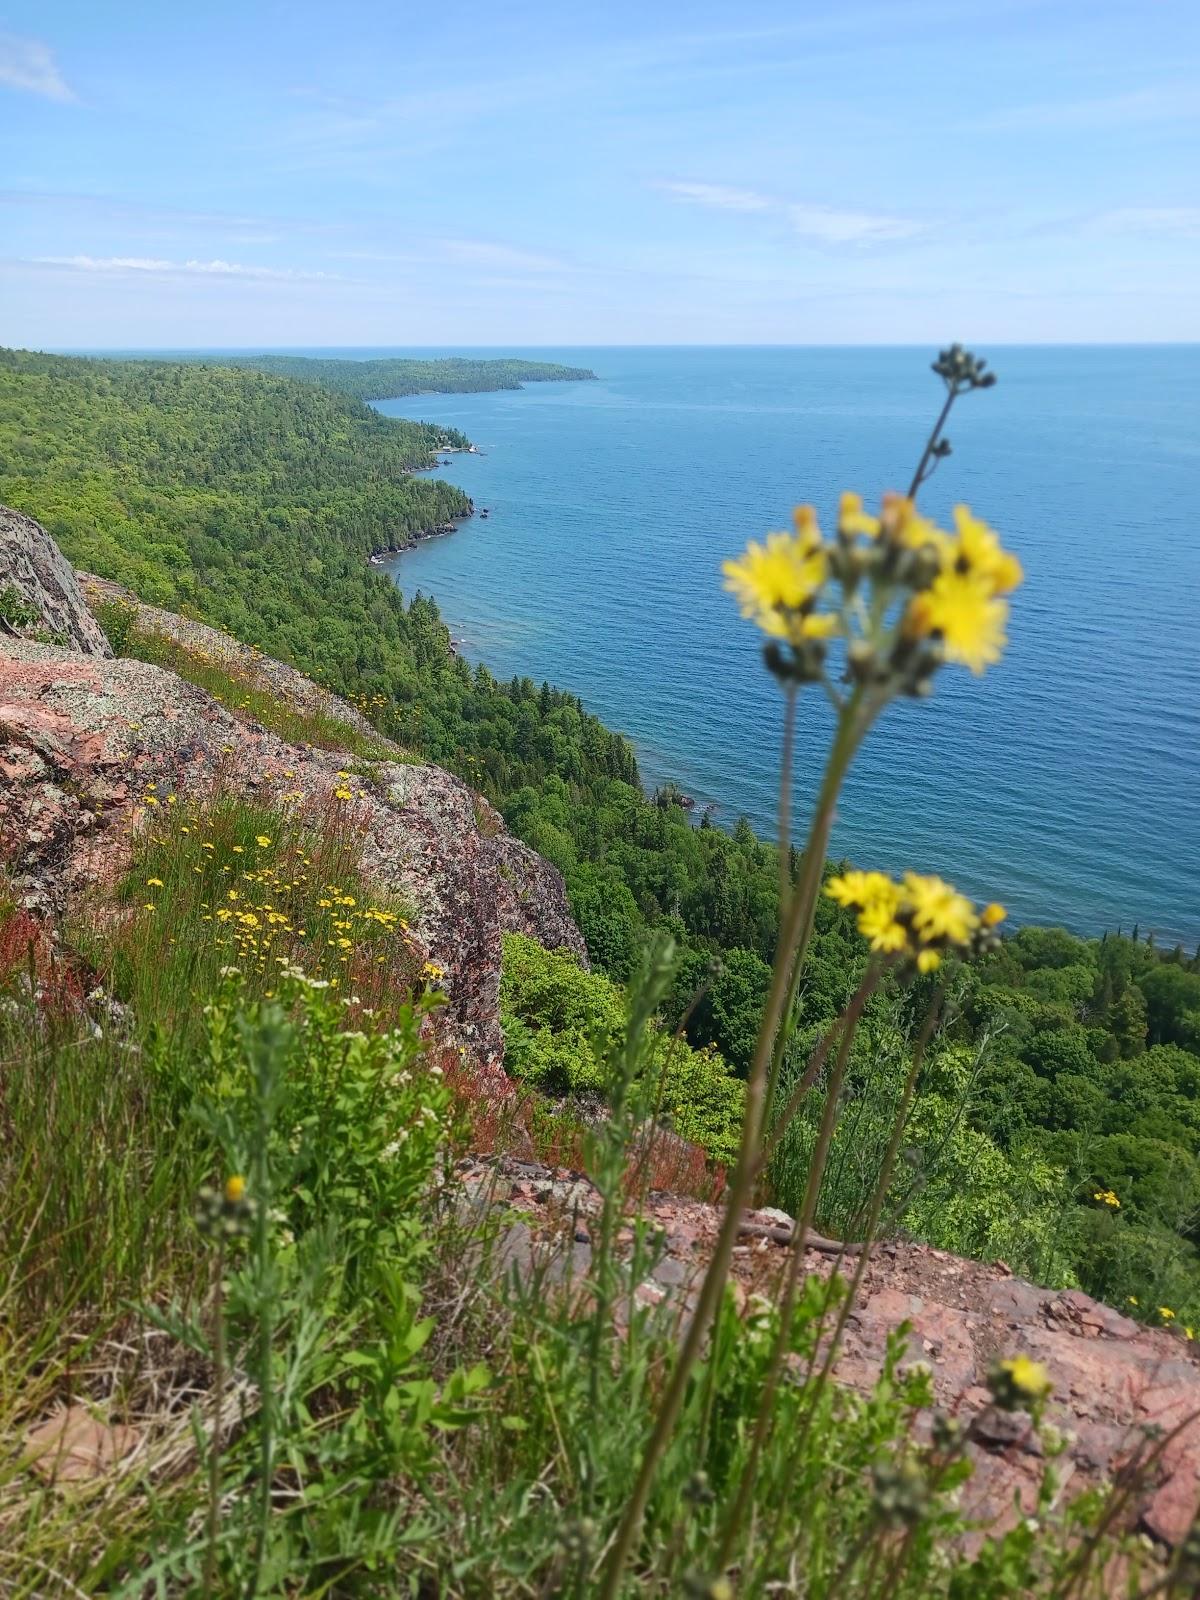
x=964, y=606
x=916, y=918
x=950, y=588
x=273, y=904
x=1107, y=1197
x=267, y=908
x=1019, y=1379
x=777, y=584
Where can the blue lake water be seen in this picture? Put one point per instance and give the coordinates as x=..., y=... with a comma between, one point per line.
x=1067, y=782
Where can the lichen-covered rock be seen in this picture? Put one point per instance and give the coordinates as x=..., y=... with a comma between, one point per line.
x=39, y=594
x=532, y=894
x=81, y=737
x=213, y=644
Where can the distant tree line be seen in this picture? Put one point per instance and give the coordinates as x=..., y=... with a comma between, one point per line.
x=389, y=378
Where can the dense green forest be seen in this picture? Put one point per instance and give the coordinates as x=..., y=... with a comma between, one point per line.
x=251, y=501
x=388, y=377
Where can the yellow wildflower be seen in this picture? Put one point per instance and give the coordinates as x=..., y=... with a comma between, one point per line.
x=856, y=888
x=938, y=910
x=878, y=926
x=154, y=883
x=777, y=583
x=991, y=916
x=1107, y=1197
x=235, y=1189
x=343, y=794
x=1028, y=1376
x=263, y=840
x=962, y=608
x=853, y=520
x=979, y=551
x=904, y=525
x=919, y=916
x=1166, y=1313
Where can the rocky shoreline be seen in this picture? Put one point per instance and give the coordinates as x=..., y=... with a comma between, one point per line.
x=381, y=554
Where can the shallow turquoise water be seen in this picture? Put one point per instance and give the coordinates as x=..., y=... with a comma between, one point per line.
x=1067, y=783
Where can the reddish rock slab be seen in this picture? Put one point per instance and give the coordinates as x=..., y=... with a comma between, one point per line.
x=1123, y=1394
x=82, y=737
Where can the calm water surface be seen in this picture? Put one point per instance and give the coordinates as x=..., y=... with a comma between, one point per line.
x=1067, y=782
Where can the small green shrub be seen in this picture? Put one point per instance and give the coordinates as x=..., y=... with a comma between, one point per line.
x=560, y=1027
x=118, y=620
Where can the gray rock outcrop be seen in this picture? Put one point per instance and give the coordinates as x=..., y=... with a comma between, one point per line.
x=40, y=596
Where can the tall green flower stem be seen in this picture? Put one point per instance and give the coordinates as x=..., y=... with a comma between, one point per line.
x=855, y=717
x=214, y=1448
x=883, y=1183
x=833, y=1345
x=808, y=1210
x=268, y=1049
x=780, y=1124
x=786, y=763
x=931, y=454
x=795, y=931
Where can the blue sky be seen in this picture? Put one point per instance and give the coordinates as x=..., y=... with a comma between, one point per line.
x=560, y=173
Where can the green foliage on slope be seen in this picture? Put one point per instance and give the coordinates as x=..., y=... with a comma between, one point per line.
x=1094, y=1064
x=561, y=1025
x=389, y=377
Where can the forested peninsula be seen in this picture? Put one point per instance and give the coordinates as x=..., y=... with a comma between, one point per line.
x=389, y=378
x=1058, y=1123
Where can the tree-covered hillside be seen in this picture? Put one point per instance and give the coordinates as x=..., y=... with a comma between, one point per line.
x=252, y=501
x=389, y=377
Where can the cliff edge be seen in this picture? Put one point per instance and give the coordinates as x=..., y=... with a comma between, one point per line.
x=84, y=738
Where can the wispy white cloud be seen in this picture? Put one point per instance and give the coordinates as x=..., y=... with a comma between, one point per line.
x=28, y=64
x=830, y=226
x=824, y=225
x=1182, y=221
x=155, y=264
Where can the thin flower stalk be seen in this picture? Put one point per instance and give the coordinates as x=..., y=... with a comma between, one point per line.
x=796, y=1249
x=741, y=1181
